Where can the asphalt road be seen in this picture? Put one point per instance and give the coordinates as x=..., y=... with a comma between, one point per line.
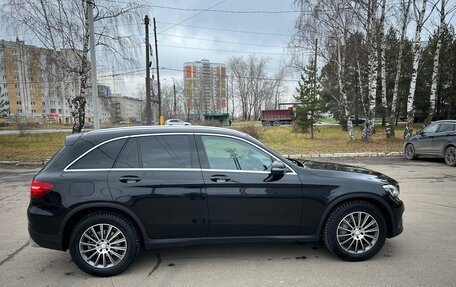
x=424, y=255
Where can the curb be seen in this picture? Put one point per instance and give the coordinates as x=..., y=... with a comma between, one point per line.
x=346, y=155
x=296, y=156
x=21, y=164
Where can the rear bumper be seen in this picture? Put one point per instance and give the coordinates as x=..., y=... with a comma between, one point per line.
x=45, y=240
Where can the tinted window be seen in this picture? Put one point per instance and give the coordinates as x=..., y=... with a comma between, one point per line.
x=444, y=127
x=172, y=151
x=128, y=158
x=431, y=128
x=101, y=157
x=228, y=153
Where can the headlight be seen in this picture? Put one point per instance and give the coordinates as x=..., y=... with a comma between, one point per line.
x=393, y=190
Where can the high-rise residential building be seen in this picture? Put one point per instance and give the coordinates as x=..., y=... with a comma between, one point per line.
x=205, y=88
x=35, y=90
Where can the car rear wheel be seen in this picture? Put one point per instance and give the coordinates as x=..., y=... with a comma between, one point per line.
x=355, y=231
x=104, y=244
x=450, y=156
x=410, y=152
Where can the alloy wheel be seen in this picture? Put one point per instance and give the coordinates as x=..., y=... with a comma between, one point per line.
x=103, y=246
x=357, y=232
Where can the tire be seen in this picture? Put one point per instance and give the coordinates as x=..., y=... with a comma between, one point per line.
x=450, y=156
x=109, y=224
x=410, y=152
x=267, y=124
x=276, y=123
x=348, y=241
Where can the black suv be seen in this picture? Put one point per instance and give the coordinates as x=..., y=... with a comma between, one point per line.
x=437, y=139
x=106, y=193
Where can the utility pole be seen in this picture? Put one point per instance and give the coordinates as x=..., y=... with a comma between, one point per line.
x=315, y=87
x=93, y=65
x=158, y=76
x=175, y=102
x=148, y=94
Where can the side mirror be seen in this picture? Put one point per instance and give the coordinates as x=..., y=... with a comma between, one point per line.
x=278, y=168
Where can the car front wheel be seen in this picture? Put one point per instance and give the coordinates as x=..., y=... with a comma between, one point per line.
x=355, y=231
x=104, y=244
x=450, y=156
x=410, y=152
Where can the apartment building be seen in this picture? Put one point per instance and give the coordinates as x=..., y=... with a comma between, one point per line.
x=205, y=87
x=34, y=90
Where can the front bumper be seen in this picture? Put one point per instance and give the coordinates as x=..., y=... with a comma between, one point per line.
x=396, y=220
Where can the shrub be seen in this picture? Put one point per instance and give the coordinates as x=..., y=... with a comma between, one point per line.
x=250, y=130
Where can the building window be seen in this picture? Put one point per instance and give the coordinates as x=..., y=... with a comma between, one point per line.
x=52, y=111
x=44, y=111
x=4, y=77
x=43, y=103
x=19, y=111
x=16, y=78
x=32, y=95
x=33, y=111
x=60, y=111
x=52, y=103
x=32, y=103
x=18, y=103
x=17, y=86
x=18, y=95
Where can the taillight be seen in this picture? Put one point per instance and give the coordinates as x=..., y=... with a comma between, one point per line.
x=40, y=188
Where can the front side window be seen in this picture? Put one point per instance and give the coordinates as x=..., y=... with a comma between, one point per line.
x=101, y=157
x=170, y=151
x=233, y=154
x=430, y=129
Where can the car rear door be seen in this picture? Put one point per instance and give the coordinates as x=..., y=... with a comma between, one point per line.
x=158, y=177
x=241, y=199
x=444, y=135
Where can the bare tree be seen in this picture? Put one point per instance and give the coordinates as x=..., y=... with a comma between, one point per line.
x=331, y=22
x=252, y=88
x=435, y=68
x=420, y=19
x=391, y=113
x=62, y=27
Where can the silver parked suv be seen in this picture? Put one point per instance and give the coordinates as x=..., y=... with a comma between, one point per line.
x=437, y=139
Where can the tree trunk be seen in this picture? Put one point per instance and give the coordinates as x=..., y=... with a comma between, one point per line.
x=435, y=69
x=390, y=125
x=343, y=94
x=78, y=103
x=408, y=132
x=382, y=63
x=373, y=73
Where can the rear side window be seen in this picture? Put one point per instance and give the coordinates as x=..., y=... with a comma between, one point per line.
x=171, y=151
x=129, y=156
x=444, y=127
x=101, y=157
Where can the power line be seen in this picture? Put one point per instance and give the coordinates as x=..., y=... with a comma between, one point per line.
x=191, y=17
x=227, y=30
x=227, y=51
x=222, y=41
x=229, y=11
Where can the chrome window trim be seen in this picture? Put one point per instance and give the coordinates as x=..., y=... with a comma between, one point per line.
x=67, y=168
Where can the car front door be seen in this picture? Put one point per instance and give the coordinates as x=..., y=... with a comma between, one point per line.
x=158, y=177
x=423, y=144
x=242, y=199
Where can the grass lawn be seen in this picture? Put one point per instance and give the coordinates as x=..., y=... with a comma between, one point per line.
x=31, y=147
x=330, y=139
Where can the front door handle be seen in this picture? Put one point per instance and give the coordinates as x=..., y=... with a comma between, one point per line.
x=220, y=178
x=129, y=179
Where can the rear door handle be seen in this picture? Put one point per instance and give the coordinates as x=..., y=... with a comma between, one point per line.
x=220, y=178
x=129, y=179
